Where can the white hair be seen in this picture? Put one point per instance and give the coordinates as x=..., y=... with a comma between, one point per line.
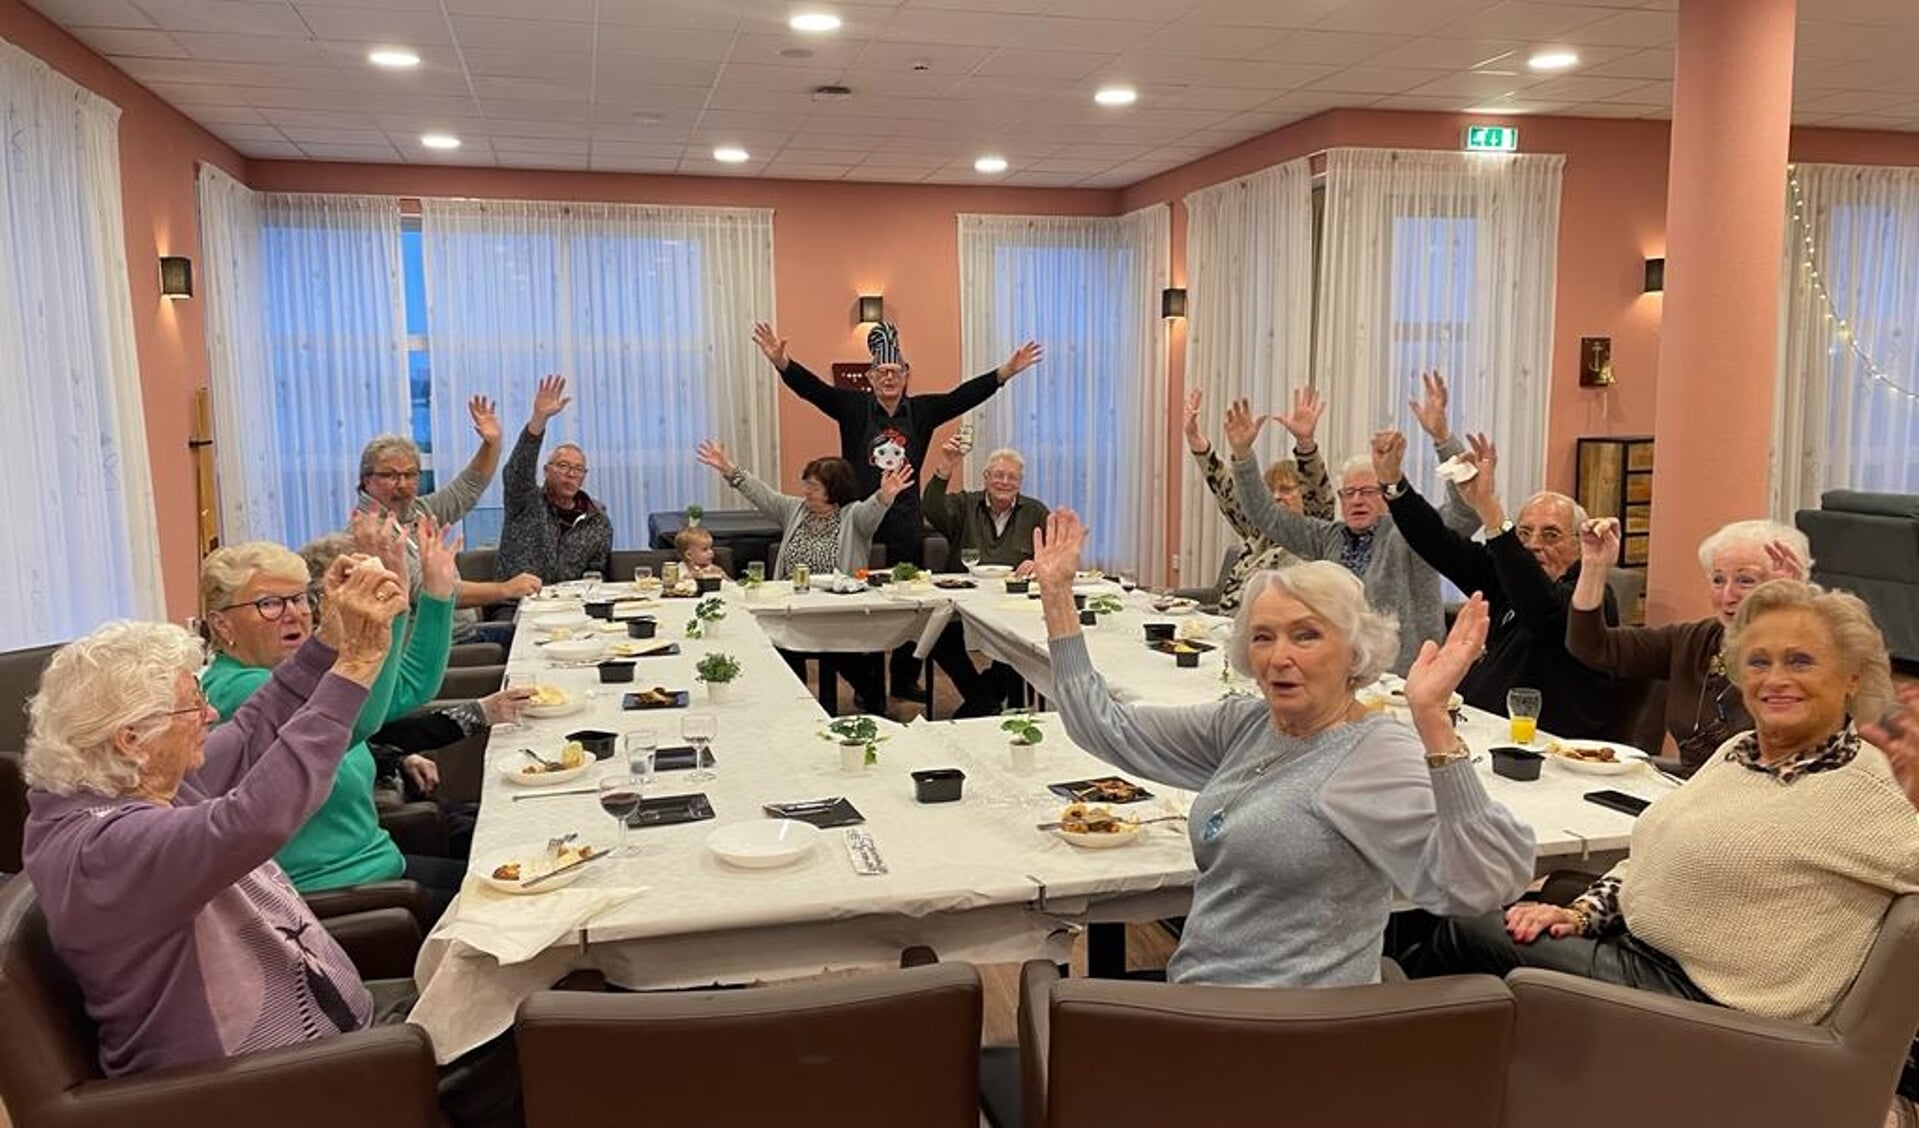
x=226, y=571
x=1335, y=595
x=1357, y=464
x=1578, y=510
x=1755, y=534
x=122, y=676
x=385, y=446
x=1006, y=454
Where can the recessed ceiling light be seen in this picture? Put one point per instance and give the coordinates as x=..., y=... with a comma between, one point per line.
x=1552, y=60
x=814, y=21
x=730, y=154
x=393, y=58
x=990, y=164
x=1116, y=96
x=439, y=141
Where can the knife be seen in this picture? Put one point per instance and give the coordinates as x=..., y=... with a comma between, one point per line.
x=550, y=794
x=549, y=876
x=808, y=806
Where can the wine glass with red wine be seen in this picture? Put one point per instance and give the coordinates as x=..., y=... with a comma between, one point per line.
x=620, y=796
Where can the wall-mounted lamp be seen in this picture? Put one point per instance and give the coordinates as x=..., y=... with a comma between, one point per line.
x=872, y=308
x=176, y=276
x=1655, y=275
x=1172, y=302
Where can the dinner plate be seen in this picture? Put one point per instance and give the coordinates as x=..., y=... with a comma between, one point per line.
x=567, y=708
x=1101, y=840
x=1629, y=758
x=991, y=571
x=574, y=649
x=484, y=867
x=563, y=621
x=763, y=845
x=1174, y=607
x=511, y=768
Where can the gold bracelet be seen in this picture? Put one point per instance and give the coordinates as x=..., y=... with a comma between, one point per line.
x=1459, y=751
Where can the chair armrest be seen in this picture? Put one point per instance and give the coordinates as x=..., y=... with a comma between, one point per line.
x=476, y=654
x=1036, y=979
x=408, y=895
x=382, y=943
x=469, y=683
x=919, y=955
x=1629, y=1016
x=417, y=828
x=382, y=1076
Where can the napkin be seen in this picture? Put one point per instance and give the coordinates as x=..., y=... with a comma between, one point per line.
x=513, y=928
x=1456, y=470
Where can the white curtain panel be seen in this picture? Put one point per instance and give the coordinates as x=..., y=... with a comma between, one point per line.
x=1249, y=322
x=1090, y=420
x=1846, y=414
x=82, y=539
x=232, y=276
x=648, y=312
x=1436, y=260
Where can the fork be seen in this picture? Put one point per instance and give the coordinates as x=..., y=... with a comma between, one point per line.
x=1108, y=821
x=549, y=765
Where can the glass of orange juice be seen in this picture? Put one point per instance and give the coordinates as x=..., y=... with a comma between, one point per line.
x=1522, y=707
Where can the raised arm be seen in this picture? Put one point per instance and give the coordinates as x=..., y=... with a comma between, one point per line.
x=518, y=483
x=941, y=508
x=454, y=500
x=422, y=661
x=1632, y=652
x=1219, y=479
x=867, y=514
x=1305, y=537
x=829, y=399
x=1446, y=551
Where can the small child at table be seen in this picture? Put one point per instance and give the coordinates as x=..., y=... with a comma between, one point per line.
x=695, y=547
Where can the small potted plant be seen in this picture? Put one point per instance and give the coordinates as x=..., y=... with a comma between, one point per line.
x=1106, y=604
x=1026, y=733
x=718, y=670
x=707, y=615
x=693, y=515
x=906, y=573
x=859, y=740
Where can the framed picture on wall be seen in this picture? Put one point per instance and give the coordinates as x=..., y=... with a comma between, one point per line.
x=1595, y=362
x=852, y=374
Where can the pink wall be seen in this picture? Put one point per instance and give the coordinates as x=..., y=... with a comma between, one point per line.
x=159, y=148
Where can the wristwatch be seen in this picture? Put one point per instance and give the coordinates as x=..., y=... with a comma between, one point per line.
x=1459, y=751
x=1505, y=527
x=1394, y=489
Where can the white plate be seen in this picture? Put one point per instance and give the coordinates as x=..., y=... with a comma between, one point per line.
x=1103, y=840
x=511, y=766
x=1629, y=758
x=574, y=649
x=1174, y=607
x=563, y=621
x=573, y=704
x=484, y=868
x=991, y=571
x=764, y=844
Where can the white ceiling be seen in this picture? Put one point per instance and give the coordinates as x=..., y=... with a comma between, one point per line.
x=655, y=85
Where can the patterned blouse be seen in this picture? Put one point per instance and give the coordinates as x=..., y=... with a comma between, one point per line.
x=814, y=543
x=1601, y=902
x=1315, y=489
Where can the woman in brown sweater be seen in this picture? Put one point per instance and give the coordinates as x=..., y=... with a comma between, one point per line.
x=1703, y=708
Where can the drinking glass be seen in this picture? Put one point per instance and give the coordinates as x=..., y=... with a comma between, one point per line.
x=592, y=582
x=513, y=679
x=642, y=573
x=1522, y=708
x=1127, y=580
x=640, y=746
x=620, y=796
x=969, y=558
x=756, y=571
x=698, y=730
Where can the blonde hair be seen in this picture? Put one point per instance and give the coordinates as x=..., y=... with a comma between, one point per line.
x=1280, y=473
x=687, y=538
x=119, y=677
x=1862, y=648
x=320, y=553
x=1335, y=595
x=226, y=570
x=1755, y=534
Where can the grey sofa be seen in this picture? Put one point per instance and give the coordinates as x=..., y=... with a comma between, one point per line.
x=1868, y=544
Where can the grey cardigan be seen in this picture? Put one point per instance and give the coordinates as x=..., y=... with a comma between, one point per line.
x=1397, y=579
x=858, y=521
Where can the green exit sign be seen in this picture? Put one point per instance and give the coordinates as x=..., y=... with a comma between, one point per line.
x=1492, y=139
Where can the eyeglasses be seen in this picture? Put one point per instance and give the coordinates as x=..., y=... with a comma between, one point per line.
x=394, y=477
x=271, y=607
x=573, y=468
x=1547, y=535
x=199, y=705
x=1351, y=493
x=1012, y=476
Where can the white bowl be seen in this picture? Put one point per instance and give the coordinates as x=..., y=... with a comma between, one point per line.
x=533, y=862
x=1104, y=840
x=1627, y=759
x=764, y=844
x=512, y=768
x=991, y=571
x=574, y=649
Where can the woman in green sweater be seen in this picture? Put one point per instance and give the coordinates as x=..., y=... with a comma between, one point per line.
x=258, y=610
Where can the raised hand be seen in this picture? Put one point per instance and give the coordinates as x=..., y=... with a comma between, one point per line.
x=485, y=423
x=1242, y=427
x=1528, y=920
x=1430, y=408
x=1056, y=548
x=1598, y=543
x=357, y=616
x=713, y=454
x=1024, y=357
x=438, y=575
x=771, y=344
x=1303, y=420
x=1438, y=670
x=1389, y=456
x=1785, y=562
x=379, y=535
x=550, y=399
x=896, y=481
x=951, y=452
x=1897, y=735
x=1196, y=440
x=1478, y=491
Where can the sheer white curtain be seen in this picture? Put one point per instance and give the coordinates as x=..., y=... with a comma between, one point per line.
x=647, y=311
x=1091, y=419
x=1847, y=414
x=1249, y=322
x=1434, y=260
x=306, y=344
x=82, y=539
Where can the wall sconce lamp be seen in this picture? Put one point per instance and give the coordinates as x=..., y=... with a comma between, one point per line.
x=1655, y=275
x=176, y=276
x=1172, y=302
x=872, y=308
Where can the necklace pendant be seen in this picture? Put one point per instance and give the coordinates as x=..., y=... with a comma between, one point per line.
x=1215, y=825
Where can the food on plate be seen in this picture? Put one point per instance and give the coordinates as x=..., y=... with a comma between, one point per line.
x=1193, y=630
x=1088, y=818
x=1089, y=574
x=555, y=859
x=548, y=695
x=1598, y=754
x=1112, y=789
x=507, y=871
x=573, y=755
x=658, y=695
x=1171, y=605
x=558, y=634
x=1182, y=648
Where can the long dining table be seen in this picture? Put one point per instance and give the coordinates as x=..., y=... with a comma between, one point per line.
x=974, y=879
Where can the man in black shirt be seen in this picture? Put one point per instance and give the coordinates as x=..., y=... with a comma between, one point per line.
x=884, y=428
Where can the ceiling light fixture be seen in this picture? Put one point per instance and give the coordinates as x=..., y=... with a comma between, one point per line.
x=1116, y=96
x=439, y=141
x=1552, y=60
x=990, y=164
x=731, y=154
x=393, y=58
x=814, y=22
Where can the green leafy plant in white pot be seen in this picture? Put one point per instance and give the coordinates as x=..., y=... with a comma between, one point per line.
x=707, y=616
x=718, y=670
x=859, y=739
x=693, y=515
x=1025, y=731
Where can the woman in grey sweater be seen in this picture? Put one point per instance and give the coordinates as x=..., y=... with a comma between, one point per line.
x=1310, y=810
x=827, y=528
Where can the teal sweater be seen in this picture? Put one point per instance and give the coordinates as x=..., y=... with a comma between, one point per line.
x=344, y=843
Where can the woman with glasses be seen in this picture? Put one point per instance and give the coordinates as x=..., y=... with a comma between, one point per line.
x=1703, y=708
x=258, y=612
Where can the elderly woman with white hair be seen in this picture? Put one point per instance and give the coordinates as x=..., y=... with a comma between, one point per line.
x=1703, y=707
x=1311, y=811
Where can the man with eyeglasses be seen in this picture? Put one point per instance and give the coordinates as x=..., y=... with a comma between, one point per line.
x=1364, y=539
x=1527, y=569
x=553, y=528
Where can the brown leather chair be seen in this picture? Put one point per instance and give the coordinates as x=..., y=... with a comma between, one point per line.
x=13, y=811
x=1660, y=1061
x=1101, y=1053
x=869, y=1051
x=19, y=680
x=50, y=1075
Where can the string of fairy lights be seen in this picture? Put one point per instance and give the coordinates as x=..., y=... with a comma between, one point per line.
x=1802, y=230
